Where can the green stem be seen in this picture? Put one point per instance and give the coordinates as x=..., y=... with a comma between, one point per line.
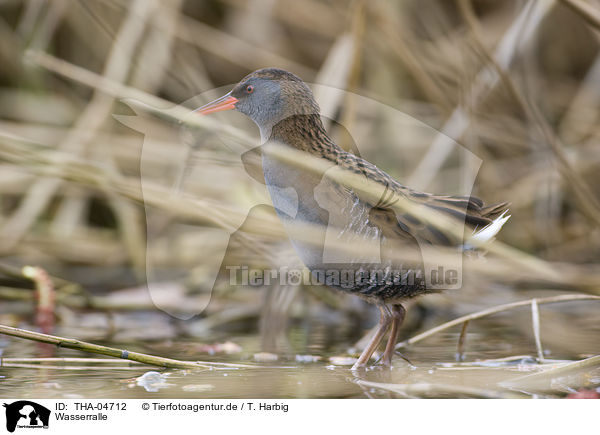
x=111, y=351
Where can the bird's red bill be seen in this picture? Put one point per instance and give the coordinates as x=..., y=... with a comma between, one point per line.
x=226, y=102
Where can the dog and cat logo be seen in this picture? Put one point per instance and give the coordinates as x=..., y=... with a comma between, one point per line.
x=26, y=414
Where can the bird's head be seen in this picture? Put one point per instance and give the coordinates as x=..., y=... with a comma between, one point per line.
x=266, y=96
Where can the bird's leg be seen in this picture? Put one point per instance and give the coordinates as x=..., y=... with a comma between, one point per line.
x=398, y=313
x=385, y=320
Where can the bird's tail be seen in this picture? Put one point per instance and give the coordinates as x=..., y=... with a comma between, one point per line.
x=494, y=210
x=487, y=233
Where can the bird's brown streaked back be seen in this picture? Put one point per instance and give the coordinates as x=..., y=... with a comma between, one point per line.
x=307, y=133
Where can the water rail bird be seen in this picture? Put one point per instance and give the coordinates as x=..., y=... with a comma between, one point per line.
x=284, y=109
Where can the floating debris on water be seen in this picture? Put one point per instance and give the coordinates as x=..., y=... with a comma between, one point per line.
x=153, y=381
x=198, y=388
x=265, y=357
x=308, y=358
x=227, y=348
x=342, y=360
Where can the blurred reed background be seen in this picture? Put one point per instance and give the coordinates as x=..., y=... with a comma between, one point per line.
x=517, y=83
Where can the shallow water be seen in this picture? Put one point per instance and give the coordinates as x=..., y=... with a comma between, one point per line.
x=433, y=372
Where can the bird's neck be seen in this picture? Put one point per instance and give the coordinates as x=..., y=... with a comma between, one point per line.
x=306, y=133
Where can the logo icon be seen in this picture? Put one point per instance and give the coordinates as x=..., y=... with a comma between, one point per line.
x=26, y=414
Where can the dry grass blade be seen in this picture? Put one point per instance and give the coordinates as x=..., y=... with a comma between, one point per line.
x=438, y=390
x=535, y=320
x=334, y=73
x=569, y=376
x=216, y=214
x=588, y=12
x=141, y=99
x=508, y=253
x=392, y=30
x=519, y=35
x=588, y=202
x=460, y=351
x=88, y=124
x=493, y=310
x=581, y=118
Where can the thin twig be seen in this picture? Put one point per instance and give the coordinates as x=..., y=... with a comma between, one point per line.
x=45, y=295
x=535, y=319
x=562, y=369
x=587, y=12
x=460, y=352
x=493, y=310
x=430, y=389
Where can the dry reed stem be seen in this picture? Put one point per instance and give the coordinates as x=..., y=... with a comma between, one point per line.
x=554, y=372
x=492, y=310
x=310, y=15
x=535, y=320
x=438, y=389
x=519, y=34
x=218, y=215
x=393, y=31
x=460, y=348
x=233, y=49
x=588, y=202
x=136, y=97
x=90, y=121
x=587, y=11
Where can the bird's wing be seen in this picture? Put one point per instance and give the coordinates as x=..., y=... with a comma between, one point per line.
x=469, y=211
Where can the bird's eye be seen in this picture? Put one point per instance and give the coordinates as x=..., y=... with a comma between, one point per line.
x=249, y=89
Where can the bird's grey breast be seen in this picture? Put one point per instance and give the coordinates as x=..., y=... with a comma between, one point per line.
x=292, y=191
x=336, y=214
